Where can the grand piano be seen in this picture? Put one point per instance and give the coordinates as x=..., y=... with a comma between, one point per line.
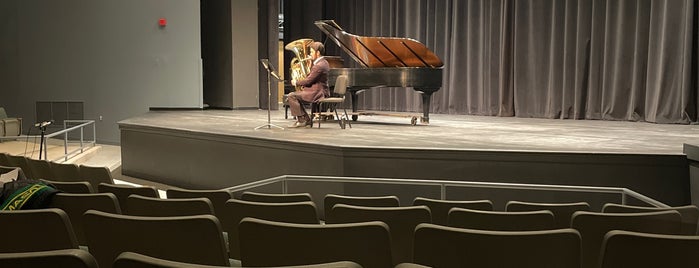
x=385, y=62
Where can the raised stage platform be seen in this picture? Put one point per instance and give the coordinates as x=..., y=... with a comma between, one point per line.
x=216, y=149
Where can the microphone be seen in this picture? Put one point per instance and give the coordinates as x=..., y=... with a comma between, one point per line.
x=43, y=124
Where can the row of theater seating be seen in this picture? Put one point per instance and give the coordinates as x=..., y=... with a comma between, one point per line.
x=275, y=230
x=42, y=169
x=77, y=258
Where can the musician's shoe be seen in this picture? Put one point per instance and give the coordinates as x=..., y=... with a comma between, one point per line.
x=309, y=124
x=298, y=124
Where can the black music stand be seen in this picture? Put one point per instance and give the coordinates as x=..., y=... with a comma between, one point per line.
x=270, y=73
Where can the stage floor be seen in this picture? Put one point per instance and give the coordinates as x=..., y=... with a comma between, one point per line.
x=445, y=132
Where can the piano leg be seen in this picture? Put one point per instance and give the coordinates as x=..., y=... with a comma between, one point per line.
x=353, y=93
x=426, y=98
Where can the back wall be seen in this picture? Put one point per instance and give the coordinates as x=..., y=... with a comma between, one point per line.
x=111, y=55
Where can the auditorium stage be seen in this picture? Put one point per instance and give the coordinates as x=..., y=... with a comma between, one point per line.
x=216, y=149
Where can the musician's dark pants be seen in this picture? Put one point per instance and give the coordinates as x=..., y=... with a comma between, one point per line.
x=296, y=101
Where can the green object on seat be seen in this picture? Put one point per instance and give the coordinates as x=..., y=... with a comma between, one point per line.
x=3, y=114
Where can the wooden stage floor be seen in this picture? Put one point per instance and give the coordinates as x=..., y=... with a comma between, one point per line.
x=215, y=149
x=450, y=132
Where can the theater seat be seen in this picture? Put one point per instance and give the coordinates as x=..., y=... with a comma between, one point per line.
x=135, y=260
x=633, y=249
x=64, y=258
x=9, y=126
x=441, y=246
x=266, y=243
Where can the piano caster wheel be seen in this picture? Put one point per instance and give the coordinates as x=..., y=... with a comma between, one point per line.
x=413, y=121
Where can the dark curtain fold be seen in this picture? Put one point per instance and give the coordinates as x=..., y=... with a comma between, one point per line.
x=572, y=59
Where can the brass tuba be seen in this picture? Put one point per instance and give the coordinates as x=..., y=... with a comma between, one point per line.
x=301, y=64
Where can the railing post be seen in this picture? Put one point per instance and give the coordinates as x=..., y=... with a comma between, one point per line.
x=94, y=134
x=81, y=139
x=65, y=143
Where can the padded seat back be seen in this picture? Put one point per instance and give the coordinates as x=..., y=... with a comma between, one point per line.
x=275, y=198
x=501, y=221
x=562, y=212
x=157, y=207
x=75, y=205
x=237, y=210
x=690, y=214
x=367, y=244
x=401, y=222
x=440, y=208
x=594, y=226
x=632, y=249
x=441, y=246
x=123, y=191
x=193, y=239
x=63, y=258
x=81, y=187
x=331, y=200
x=36, y=230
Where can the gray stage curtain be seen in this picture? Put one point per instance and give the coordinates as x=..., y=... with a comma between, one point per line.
x=581, y=59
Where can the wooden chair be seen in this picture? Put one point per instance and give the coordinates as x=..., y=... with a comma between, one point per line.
x=632, y=249
x=690, y=214
x=442, y=246
x=501, y=221
x=268, y=243
x=63, y=258
x=562, y=212
x=36, y=230
x=401, y=222
x=275, y=198
x=440, y=208
x=123, y=191
x=193, y=239
x=75, y=205
x=594, y=226
x=237, y=210
x=157, y=207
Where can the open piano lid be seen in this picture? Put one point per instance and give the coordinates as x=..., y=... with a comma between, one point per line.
x=375, y=52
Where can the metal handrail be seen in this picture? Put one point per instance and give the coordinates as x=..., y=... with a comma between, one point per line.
x=625, y=193
x=66, y=155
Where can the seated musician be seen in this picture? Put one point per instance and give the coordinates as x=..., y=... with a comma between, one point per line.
x=315, y=87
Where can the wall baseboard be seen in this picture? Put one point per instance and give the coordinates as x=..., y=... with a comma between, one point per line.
x=175, y=109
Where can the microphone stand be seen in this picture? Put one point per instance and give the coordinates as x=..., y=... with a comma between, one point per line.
x=270, y=74
x=42, y=127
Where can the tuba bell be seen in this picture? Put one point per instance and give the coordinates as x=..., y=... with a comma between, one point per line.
x=301, y=64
